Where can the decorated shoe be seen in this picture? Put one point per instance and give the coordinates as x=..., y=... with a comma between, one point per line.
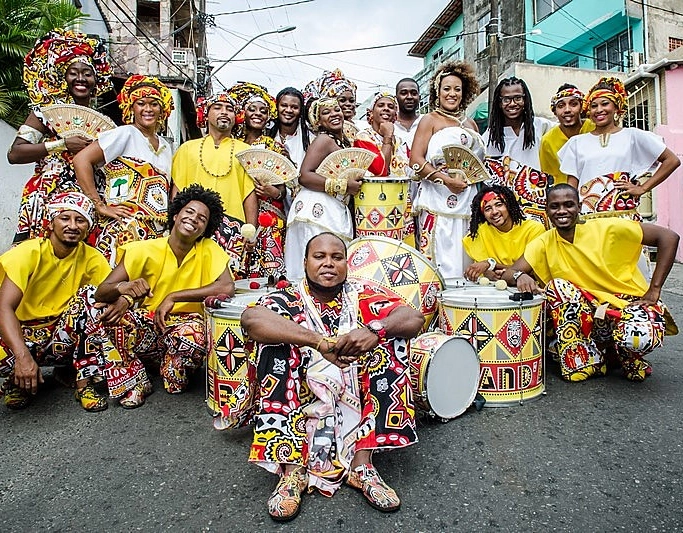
x=366, y=479
x=592, y=371
x=285, y=502
x=135, y=397
x=636, y=370
x=91, y=400
x=14, y=396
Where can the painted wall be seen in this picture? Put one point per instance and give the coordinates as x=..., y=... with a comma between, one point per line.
x=13, y=179
x=667, y=195
x=576, y=29
x=449, y=41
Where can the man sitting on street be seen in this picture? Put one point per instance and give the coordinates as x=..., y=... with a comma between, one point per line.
x=163, y=282
x=602, y=308
x=39, y=317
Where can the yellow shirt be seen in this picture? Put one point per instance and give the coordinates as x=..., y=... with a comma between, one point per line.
x=234, y=187
x=603, y=259
x=155, y=262
x=551, y=143
x=47, y=282
x=505, y=248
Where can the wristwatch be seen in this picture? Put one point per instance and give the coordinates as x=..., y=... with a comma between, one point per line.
x=492, y=263
x=378, y=329
x=516, y=275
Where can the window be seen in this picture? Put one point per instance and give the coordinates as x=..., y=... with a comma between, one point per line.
x=149, y=18
x=543, y=8
x=674, y=42
x=610, y=54
x=482, y=23
x=436, y=57
x=574, y=63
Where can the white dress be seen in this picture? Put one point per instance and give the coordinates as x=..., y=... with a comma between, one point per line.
x=444, y=216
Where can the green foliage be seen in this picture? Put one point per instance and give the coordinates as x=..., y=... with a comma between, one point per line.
x=22, y=22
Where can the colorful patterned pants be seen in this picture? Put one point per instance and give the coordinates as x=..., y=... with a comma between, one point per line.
x=59, y=341
x=584, y=341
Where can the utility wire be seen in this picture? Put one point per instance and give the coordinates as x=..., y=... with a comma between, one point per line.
x=261, y=8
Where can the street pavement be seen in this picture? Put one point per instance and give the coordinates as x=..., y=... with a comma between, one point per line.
x=605, y=455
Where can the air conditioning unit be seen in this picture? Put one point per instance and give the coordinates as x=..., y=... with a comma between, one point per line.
x=635, y=59
x=180, y=57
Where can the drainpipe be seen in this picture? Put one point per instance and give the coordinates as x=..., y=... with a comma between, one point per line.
x=646, y=39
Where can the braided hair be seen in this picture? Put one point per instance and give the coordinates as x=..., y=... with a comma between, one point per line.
x=291, y=91
x=509, y=200
x=497, y=118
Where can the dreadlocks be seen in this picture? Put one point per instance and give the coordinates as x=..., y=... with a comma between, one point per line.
x=497, y=119
x=291, y=91
x=508, y=199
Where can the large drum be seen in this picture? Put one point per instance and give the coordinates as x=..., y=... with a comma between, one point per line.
x=226, y=365
x=444, y=373
x=397, y=270
x=508, y=337
x=381, y=205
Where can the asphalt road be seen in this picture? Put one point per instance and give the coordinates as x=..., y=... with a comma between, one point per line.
x=605, y=455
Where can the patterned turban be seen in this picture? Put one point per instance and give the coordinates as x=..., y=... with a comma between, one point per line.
x=610, y=88
x=46, y=64
x=316, y=107
x=204, y=104
x=330, y=85
x=72, y=201
x=381, y=95
x=245, y=93
x=139, y=86
x=571, y=92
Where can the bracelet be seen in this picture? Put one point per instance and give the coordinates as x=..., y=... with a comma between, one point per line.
x=129, y=299
x=335, y=186
x=317, y=346
x=330, y=344
x=329, y=184
x=492, y=263
x=55, y=147
x=419, y=168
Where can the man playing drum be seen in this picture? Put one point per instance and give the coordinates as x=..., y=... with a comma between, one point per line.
x=333, y=382
x=499, y=232
x=162, y=282
x=602, y=308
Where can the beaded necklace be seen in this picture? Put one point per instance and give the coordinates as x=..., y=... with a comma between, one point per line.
x=459, y=116
x=342, y=143
x=201, y=158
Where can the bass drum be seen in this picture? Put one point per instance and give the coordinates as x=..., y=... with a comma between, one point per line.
x=444, y=373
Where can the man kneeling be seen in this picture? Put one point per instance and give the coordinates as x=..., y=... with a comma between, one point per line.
x=162, y=282
x=332, y=364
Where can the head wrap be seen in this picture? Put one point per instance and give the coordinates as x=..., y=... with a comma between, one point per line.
x=570, y=92
x=139, y=86
x=610, y=88
x=247, y=92
x=72, y=201
x=329, y=85
x=46, y=64
x=316, y=107
x=204, y=104
x=487, y=197
x=380, y=95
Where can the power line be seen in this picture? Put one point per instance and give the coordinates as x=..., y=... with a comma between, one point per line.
x=261, y=8
x=666, y=10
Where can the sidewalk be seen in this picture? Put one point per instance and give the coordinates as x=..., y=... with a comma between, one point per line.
x=674, y=283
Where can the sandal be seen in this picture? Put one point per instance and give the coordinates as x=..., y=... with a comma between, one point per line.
x=380, y=496
x=91, y=400
x=14, y=396
x=285, y=502
x=135, y=397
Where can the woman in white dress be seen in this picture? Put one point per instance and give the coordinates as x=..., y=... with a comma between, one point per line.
x=442, y=203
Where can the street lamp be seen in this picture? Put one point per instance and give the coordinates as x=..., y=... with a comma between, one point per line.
x=284, y=29
x=537, y=31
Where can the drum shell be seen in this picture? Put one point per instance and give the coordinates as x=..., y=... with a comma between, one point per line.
x=380, y=207
x=508, y=337
x=444, y=374
x=397, y=270
x=226, y=363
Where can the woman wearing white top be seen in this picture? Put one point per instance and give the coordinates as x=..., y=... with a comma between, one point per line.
x=442, y=203
x=595, y=162
x=137, y=168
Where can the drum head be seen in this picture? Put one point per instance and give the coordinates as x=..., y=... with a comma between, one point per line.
x=234, y=307
x=452, y=378
x=485, y=297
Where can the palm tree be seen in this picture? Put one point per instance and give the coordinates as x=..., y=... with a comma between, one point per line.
x=22, y=22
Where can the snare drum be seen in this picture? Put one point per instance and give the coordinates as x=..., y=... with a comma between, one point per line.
x=226, y=364
x=444, y=373
x=381, y=205
x=508, y=337
x=397, y=270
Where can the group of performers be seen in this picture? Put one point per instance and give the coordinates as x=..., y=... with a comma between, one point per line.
x=119, y=241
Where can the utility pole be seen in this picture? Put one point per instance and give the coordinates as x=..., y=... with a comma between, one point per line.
x=494, y=52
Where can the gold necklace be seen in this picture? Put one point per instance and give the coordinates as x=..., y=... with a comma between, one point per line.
x=604, y=139
x=201, y=157
x=459, y=116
